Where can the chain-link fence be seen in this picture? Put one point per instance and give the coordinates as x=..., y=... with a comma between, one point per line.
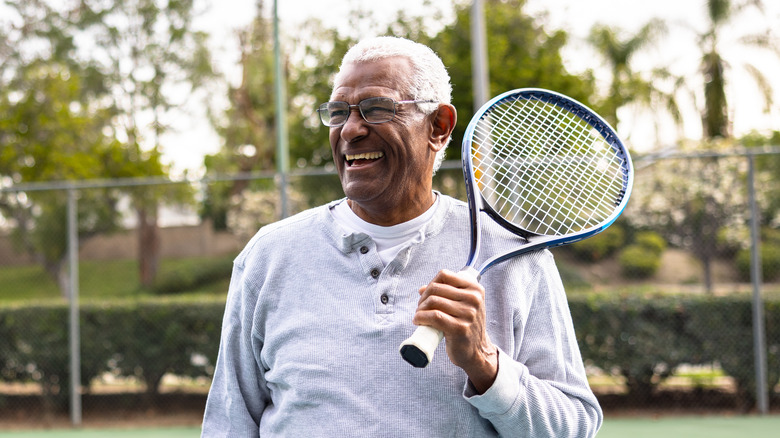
x=132, y=275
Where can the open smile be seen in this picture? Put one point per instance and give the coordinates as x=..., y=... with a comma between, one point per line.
x=363, y=158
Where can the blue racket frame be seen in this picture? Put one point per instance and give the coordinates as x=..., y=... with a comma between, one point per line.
x=534, y=241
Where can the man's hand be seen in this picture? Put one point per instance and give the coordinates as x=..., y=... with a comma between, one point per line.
x=455, y=304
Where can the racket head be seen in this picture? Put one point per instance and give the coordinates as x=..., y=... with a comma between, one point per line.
x=542, y=164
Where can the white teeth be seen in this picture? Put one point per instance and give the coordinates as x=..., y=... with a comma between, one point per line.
x=365, y=156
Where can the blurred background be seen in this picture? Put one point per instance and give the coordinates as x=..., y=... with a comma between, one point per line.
x=143, y=142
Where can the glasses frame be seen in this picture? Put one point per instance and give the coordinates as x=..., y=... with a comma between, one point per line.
x=323, y=108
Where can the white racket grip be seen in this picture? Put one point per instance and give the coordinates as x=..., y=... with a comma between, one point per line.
x=418, y=349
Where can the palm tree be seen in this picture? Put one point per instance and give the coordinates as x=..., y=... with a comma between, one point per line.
x=628, y=86
x=715, y=114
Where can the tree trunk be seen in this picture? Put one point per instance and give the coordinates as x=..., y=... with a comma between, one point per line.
x=58, y=272
x=707, y=265
x=148, y=245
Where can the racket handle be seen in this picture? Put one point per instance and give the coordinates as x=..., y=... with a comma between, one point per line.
x=418, y=349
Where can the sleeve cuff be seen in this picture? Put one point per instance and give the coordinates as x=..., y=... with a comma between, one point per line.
x=500, y=397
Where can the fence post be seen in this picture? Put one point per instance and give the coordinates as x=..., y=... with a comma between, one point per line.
x=282, y=146
x=759, y=340
x=74, y=332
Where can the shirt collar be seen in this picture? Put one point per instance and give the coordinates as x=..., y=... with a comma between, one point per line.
x=347, y=241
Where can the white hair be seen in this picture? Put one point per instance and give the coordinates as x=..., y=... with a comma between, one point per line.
x=429, y=79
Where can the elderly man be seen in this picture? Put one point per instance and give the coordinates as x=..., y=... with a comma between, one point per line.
x=319, y=302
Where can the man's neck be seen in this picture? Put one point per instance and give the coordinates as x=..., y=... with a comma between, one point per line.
x=387, y=216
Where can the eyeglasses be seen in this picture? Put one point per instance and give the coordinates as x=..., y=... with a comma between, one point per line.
x=373, y=110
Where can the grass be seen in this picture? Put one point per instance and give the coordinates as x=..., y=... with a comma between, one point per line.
x=26, y=282
x=106, y=279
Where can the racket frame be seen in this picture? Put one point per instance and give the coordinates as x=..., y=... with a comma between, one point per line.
x=419, y=348
x=534, y=241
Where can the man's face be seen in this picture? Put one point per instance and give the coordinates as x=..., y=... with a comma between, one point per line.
x=385, y=166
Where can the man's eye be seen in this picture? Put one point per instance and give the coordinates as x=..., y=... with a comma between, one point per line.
x=377, y=110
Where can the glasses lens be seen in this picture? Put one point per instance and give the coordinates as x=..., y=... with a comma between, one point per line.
x=334, y=113
x=377, y=109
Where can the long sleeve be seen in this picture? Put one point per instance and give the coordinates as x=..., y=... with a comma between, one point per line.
x=238, y=393
x=541, y=389
x=314, y=319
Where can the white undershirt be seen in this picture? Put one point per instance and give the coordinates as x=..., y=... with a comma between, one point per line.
x=388, y=240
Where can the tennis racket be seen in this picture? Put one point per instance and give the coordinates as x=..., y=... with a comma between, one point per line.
x=546, y=168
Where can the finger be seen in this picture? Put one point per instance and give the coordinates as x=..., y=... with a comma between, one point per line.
x=458, y=303
x=435, y=318
x=469, y=292
x=443, y=291
x=461, y=279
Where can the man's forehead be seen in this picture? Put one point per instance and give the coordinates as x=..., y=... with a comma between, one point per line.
x=389, y=73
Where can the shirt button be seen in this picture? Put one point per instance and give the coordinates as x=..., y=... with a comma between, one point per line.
x=363, y=249
x=384, y=298
x=375, y=273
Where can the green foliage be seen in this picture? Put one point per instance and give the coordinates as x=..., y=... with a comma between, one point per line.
x=642, y=258
x=641, y=337
x=638, y=261
x=601, y=245
x=767, y=175
x=141, y=338
x=160, y=338
x=192, y=275
x=571, y=276
x=715, y=113
x=628, y=86
x=115, y=279
x=47, y=133
x=769, y=253
x=644, y=338
x=72, y=113
x=701, y=214
x=724, y=330
x=770, y=262
x=521, y=53
x=651, y=241
x=39, y=352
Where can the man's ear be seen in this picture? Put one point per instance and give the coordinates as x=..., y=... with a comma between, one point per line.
x=443, y=121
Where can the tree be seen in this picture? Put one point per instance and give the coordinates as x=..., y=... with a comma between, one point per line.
x=53, y=127
x=521, y=53
x=151, y=60
x=712, y=201
x=628, y=86
x=715, y=113
x=768, y=177
x=120, y=62
x=699, y=204
x=248, y=124
x=47, y=133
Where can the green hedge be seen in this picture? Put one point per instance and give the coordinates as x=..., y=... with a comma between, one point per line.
x=642, y=258
x=142, y=338
x=636, y=261
x=642, y=337
x=645, y=337
x=770, y=262
x=601, y=245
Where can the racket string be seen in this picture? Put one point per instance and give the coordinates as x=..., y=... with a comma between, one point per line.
x=542, y=168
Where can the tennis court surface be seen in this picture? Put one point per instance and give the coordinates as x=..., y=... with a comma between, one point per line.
x=666, y=427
